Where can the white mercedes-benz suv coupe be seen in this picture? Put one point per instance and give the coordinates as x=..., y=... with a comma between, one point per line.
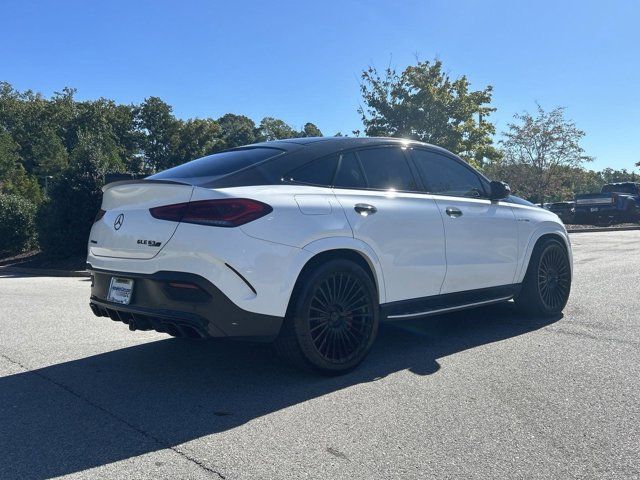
x=312, y=242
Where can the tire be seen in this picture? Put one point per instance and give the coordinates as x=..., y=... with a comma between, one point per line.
x=332, y=320
x=547, y=283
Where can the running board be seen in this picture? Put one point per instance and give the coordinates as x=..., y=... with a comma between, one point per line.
x=450, y=302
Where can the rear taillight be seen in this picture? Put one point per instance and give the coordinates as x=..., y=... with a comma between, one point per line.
x=99, y=215
x=228, y=212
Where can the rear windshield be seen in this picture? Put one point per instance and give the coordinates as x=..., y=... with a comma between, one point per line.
x=217, y=165
x=624, y=188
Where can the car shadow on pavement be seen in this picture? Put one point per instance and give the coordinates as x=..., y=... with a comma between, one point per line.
x=101, y=409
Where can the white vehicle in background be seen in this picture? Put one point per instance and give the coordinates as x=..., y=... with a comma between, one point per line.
x=312, y=242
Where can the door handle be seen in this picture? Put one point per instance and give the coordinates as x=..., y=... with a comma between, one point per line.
x=365, y=209
x=453, y=212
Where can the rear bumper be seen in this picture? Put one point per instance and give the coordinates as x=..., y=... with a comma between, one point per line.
x=161, y=302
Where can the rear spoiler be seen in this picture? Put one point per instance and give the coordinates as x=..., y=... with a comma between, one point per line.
x=141, y=181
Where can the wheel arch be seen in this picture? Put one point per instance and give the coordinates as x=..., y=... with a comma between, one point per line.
x=345, y=248
x=539, y=236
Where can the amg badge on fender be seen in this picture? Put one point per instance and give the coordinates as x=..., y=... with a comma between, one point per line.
x=151, y=243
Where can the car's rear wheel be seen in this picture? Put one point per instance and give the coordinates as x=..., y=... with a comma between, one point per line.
x=333, y=319
x=547, y=284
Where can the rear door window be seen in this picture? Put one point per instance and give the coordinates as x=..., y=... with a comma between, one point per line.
x=446, y=176
x=216, y=165
x=387, y=169
x=349, y=173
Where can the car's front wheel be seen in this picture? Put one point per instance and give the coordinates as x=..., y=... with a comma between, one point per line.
x=333, y=319
x=547, y=283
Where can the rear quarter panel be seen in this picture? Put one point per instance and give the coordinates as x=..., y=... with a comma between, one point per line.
x=301, y=214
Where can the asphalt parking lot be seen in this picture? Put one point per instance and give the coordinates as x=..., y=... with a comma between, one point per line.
x=477, y=394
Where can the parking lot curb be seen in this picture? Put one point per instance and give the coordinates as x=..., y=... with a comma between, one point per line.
x=603, y=229
x=44, y=272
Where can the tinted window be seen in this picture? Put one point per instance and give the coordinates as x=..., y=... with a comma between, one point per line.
x=623, y=188
x=217, y=164
x=447, y=176
x=387, y=168
x=319, y=172
x=349, y=173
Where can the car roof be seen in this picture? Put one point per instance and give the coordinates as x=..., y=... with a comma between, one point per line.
x=338, y=143
x=300, y=151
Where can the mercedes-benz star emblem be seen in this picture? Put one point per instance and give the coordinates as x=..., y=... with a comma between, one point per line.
x=119, y=221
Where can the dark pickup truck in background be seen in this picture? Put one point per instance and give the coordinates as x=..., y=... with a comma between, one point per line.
x=564, y=210
x=616, y=203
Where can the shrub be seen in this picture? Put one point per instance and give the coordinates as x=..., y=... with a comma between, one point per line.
x=23, y=185
x=17, y=224
x=66, y=218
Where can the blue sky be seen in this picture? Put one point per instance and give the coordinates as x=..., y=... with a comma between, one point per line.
x=300, y=61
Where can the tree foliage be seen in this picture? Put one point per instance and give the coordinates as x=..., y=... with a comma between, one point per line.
x=275, y=129
x=310, y=130
x=197, y=138
x=69, y=145
x=424, y=103
x=237, y=130
x=66, y=217
x=160, y=129
x=540, y=153
x=17, y=224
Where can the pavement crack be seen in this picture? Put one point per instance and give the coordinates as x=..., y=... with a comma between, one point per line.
x=116, y=417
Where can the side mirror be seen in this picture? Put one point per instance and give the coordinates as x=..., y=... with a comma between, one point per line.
x=499, y=190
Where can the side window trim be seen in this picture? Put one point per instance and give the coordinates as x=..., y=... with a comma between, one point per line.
x=414, y=170
x=362, y=170
x=339, y=166
x=485, y=194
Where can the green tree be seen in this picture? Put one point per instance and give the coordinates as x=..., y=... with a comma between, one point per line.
x=74, y=199
x=540, y=152
x=609, y=175
x=17, y=224
x=48, y=154
x=310, y=130
x=274, y=129
x=31, y=120
x=237, y=130
x=197, y=138
x=14, y=180
x=579, y=180
x=9, y=158
x=160, y=129
x=114, y=124
x=424, y=103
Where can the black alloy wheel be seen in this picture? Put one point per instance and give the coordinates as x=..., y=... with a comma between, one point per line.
x=332, y=320
x=547, y=283
x=554, y=277
x=340, y=318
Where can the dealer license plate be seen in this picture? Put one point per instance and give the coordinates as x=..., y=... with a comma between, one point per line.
x=120, y=290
